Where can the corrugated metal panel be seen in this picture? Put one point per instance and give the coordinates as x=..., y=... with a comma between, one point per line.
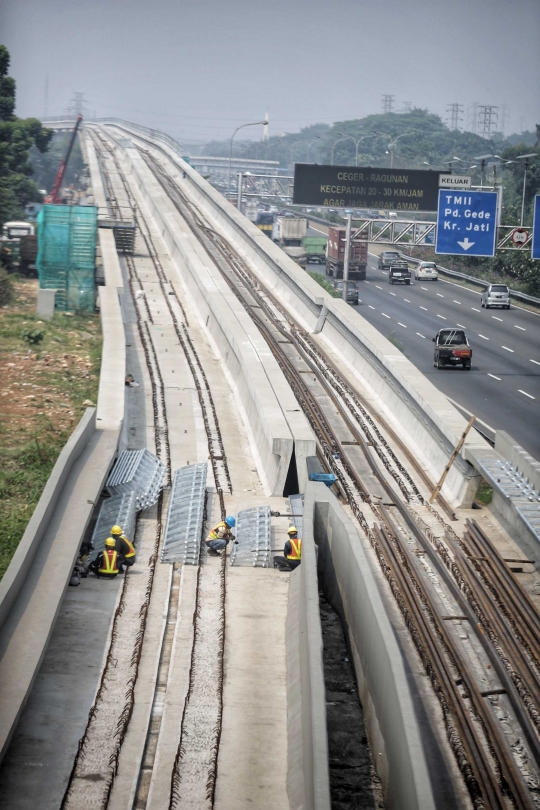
x=508, y=481
x=185, y=517
x=119, y=510
x=253, y=538
x=137, y=471
x=297, y=509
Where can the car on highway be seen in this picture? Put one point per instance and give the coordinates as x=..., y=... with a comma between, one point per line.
x=452, y=348
x=426, y=270
x=496, y=295
x=387, y=258
x=352, y=291
x=399, y=273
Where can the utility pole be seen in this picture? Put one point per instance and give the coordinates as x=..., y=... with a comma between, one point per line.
x=388, y=103
x=455, y=115
x=487, y=119
x=346, y=256
x=46, y=105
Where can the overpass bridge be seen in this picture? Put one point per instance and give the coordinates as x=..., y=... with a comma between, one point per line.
x=208, y=684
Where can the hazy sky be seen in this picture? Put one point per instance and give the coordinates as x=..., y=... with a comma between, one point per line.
x=198, y=69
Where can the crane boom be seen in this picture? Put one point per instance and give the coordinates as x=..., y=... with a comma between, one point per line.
x=53, y=197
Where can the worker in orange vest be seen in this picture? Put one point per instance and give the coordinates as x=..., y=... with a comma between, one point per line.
x=107, y=563
x=292, y=552
x=123, y=546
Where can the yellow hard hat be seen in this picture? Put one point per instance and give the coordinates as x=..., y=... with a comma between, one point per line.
x=116, y=530
x=292, y=530
x=110, y=542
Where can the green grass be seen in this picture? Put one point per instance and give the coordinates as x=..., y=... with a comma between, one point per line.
x=484, y=493
x=396, y=342
x=320, y=279
x=43, y=391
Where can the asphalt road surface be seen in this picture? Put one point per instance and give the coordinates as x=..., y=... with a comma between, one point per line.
x=503, y=386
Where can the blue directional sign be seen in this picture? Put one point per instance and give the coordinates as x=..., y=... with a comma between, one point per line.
x=467, y=223
x=535, y=249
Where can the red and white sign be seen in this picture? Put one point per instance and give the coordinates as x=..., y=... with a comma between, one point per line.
x=520, y=236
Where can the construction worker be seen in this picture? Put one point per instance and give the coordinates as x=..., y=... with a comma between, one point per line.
x=292, y=552
x=123, y=546
x=220, y=535
x=108, y=562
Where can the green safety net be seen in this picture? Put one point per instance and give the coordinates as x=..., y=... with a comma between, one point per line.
x=66, y=260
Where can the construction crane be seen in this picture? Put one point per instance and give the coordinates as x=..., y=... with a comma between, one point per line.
x=54, y=198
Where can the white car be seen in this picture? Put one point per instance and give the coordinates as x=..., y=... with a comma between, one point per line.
x=426, y=270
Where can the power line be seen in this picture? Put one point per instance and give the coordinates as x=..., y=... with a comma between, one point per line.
x=388, y=103
x=488, y=115
x=455, y=115
x=473, y=117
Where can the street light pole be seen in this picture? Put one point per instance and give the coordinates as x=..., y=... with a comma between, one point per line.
x=357, y=142
x=254, y=124
x=526, y=166
x=346, y=256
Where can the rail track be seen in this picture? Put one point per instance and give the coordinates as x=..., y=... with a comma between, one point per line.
x=497, y=774
x=211, y=579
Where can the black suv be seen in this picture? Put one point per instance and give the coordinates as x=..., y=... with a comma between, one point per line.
x=399, y=272
x=451, y=349
x=387, y=258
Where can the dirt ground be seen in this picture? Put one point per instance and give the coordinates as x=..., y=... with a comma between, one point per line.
x=44, y=388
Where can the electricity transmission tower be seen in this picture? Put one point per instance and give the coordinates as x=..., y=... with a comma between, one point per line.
x=388, y=103
x=473, y=117
x=77, y=105
x=487, y=119
x=455, y=115
x=505, y=116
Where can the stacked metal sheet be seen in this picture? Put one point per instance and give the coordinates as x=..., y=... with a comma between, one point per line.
x=137, y=471
x=185, y=517
x=120, y=511
x=508, y=481
x=253, y=538
x=297, y=510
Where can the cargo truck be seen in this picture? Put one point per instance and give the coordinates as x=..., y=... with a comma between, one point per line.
x=315, y=247
x=335, y=255
x=289, y=233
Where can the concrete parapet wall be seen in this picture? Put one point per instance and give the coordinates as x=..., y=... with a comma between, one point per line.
x=422, y=416
x=112, y=390
x=267, y=399
x=393, y=727
x=308, y=783
x=22, y=560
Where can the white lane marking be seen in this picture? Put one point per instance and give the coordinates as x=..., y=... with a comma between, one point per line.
x=456, y=302
x=494, y=377
x=536, y=363
x=407, y=300
x=369, y=305
x=392, y=294
x=440, y=296
x=460, y=324
x=401, y=324
x=507, y=349
x=424, y=308
x=379, y=288
x=367, y=282
x=442, y=317
x=422, y=336
x=385, y=315
x=483, y=336
x=526, y=394
x=423, y=288
x=520, y=327
x=476, y=310
x=497, y=319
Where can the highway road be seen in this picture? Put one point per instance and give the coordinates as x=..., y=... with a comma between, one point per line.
x=503, y=386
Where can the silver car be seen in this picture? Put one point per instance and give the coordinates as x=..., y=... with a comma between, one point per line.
x=496, y=295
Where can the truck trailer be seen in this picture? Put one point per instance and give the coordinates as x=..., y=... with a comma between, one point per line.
x=335, y=255
x=289, y=233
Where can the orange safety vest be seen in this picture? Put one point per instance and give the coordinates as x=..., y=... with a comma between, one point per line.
x=108, y=562
x=296, y=549
x=131, y=553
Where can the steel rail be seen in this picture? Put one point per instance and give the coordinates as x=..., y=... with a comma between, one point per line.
x=222, y=478
x=507, y=765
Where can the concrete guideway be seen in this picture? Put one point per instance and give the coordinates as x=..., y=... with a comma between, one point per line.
x=432, y=425
x=275, y=421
